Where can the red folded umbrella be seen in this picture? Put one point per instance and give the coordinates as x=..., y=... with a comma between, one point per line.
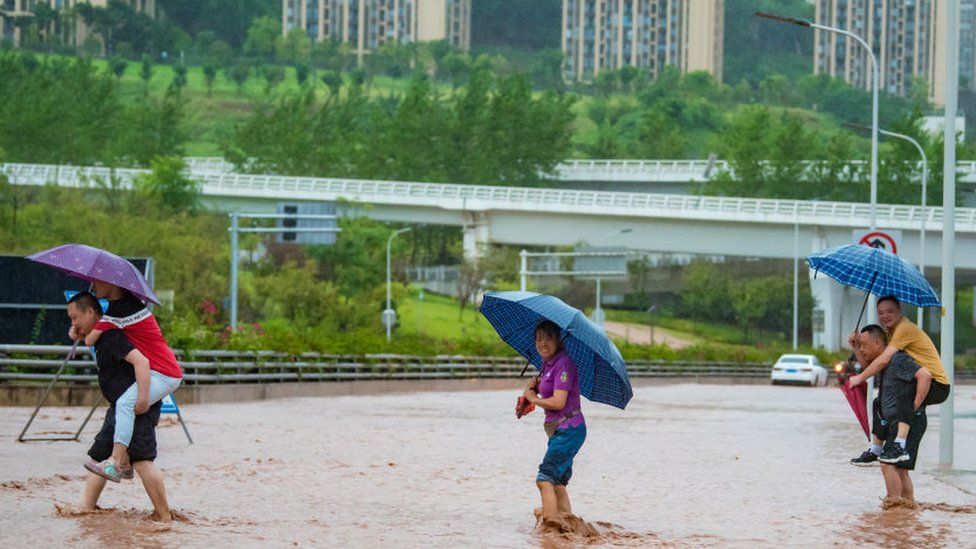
x=523, y=407
x=857, y=398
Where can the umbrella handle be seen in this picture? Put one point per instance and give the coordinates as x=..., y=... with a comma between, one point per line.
x=526, y=367
x=864, y=306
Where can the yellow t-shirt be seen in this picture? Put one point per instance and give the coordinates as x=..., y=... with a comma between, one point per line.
x=908, y=337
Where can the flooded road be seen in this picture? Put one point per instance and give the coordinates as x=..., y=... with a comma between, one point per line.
x=684, y=466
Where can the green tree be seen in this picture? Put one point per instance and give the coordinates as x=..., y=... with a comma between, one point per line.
x=296, y=293
x=607, y=143
x=332, y=80
x=606, y=82
x=749, y=302
x=168, y=184
x=705, y=294
x=179, y=76
x=118, y=22
x=357, y=261
x=301, y=74
x=227, y=20
x=548, y=73
x=9, y=198
x=146, y=72
x=455, y=68
x=261, y=38
x=153, y=128
x=209, y=75
x=414, y=145
x=273, y=75
x=239, y=73
x=294, y=47
x=221, y=53
x=65, y=111
x=118, y=66
x=661, y=137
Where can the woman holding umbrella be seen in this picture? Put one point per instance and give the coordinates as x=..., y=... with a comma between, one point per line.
x=574, y=358
x=557, y=391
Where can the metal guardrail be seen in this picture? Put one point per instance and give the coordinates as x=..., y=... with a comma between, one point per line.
x=649, y=171
x=32, y=363
x=485, y=197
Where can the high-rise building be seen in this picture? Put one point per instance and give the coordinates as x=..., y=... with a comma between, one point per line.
x=69, y=27
x=10, y=10
x=907, y=36
x=600, y=35
x=366, y=24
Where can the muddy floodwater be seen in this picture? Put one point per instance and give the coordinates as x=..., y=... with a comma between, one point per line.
x=683, y=466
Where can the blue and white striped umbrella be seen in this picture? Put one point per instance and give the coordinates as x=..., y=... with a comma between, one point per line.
x=602, y=372
x=875, y=271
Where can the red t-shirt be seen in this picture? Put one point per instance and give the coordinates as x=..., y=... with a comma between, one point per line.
x=140, y=326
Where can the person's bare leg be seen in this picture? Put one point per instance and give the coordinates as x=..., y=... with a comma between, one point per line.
x=892, y=480
x=550, y=505
x=907, y=489
x=152, y=481
x=562, y=500
x=120, y=455
x=94, y=485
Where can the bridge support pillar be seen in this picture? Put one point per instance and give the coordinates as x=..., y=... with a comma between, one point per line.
x=476, y=235
x=835, y=313
x=828, y=299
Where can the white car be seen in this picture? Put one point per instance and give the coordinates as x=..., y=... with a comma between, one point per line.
x=801, y=369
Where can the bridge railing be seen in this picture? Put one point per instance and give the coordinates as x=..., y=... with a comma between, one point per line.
x=651, y=171
x=30, y=363
x=518, y=198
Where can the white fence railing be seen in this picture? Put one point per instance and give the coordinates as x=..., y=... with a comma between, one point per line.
x=639, y=171
x=37, y=363
x=486, y=197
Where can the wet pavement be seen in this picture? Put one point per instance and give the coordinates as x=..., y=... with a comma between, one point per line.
x=684, y=466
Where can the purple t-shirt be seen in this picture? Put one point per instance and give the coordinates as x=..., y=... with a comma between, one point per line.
x=559, y=374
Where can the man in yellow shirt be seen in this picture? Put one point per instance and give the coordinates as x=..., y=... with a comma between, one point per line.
x=933, y=383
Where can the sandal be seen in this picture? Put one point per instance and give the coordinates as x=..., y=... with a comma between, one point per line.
x=105, y=469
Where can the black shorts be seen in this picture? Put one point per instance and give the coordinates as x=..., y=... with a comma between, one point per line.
x=143, y=444
x=879, y=427
x=938, y=393
x=918, y=425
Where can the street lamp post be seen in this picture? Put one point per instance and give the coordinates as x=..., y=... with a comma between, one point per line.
x=389, y=315
x=876, y=84
x=947, y=348
x=925, y=179
x=598, y=315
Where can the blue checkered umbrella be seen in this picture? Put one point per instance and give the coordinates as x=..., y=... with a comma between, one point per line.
x=875, y=271
x=602, y=372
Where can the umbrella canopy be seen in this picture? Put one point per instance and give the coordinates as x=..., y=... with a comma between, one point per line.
x=602, y=372
x=857, y=397
x=875, y=271
x=94, y=264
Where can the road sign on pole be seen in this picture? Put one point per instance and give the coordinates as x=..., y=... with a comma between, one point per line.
x=235, y=229
x=888, y=240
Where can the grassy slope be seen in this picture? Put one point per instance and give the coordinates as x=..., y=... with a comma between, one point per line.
x=437, y=316
x=211, y=118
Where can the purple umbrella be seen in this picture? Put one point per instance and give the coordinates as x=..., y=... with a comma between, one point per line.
x=93, y=264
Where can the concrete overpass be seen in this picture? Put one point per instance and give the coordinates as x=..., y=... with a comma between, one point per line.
x=647, y=176
x=531, y=216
